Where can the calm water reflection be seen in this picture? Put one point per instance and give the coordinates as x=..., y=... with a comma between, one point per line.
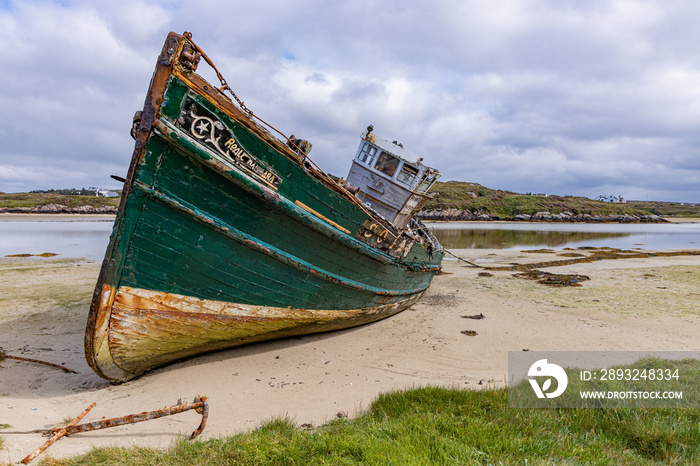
x=505, y=235
x=66, y=238
x=89, y=237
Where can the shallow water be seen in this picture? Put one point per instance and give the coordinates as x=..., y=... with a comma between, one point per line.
x=89, y=237
x=513, y=235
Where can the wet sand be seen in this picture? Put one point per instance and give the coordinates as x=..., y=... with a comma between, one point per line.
x=628, y=304
x=683, y=219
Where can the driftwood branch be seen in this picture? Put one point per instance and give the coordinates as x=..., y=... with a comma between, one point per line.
x=50, y=364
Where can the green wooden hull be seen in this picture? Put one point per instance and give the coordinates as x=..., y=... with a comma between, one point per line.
x=225, y=236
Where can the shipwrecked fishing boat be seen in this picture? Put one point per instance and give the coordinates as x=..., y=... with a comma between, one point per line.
x=227, y=235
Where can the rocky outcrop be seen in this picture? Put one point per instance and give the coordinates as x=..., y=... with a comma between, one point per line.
x=454, y=214
x=466, y=215
x=50, y=209
x=59, y=209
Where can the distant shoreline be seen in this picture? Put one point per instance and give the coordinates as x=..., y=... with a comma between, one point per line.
x=89, y=217
x=45, y=217
x=682, y=219
x=667, y=220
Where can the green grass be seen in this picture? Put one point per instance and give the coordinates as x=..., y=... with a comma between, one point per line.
x=670, y=209
x=444, y=426
x=3, y=426
x=14, y=200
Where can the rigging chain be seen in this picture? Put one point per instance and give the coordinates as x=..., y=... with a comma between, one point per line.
x=226, y=87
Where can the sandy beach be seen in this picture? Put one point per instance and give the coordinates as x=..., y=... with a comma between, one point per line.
x=628, y=304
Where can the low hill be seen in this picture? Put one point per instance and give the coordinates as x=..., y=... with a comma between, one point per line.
x=454, y=200
x=458, y=200
x=56, y=203
x=667, y=209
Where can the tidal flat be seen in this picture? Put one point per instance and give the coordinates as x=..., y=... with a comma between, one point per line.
x=647, y=303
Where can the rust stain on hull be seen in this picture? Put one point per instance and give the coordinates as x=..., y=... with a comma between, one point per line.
x=148, y=329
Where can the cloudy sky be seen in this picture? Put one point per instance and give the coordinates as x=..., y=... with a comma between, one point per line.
x=548, y=96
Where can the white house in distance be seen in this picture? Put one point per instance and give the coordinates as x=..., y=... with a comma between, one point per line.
x=605, y=198
x=103, y=192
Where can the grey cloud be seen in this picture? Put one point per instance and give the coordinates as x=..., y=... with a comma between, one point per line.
x=564, y=97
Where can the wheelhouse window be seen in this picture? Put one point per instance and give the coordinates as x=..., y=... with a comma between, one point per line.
x=387, y=164
x=407, y=174
x=427, y=182
x=367, y=154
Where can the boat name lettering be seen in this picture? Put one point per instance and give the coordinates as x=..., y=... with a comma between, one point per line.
x=204, y=127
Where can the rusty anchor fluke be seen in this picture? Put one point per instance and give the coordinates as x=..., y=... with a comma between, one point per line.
x=199, y=404
x=57, y=435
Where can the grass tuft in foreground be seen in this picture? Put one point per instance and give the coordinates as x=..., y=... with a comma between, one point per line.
x=444, y=426
x=3, y=426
